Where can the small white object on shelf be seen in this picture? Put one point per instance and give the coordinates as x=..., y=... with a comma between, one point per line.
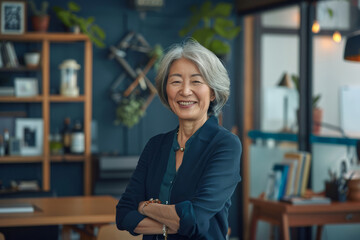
x=16, y=208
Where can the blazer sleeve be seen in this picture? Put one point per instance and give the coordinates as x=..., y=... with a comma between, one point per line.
x=127, y=215
x=216, y=187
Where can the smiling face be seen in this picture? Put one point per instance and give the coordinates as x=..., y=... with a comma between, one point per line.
x=188, y=93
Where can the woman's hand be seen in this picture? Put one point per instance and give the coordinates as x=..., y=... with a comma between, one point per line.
x=141, y=207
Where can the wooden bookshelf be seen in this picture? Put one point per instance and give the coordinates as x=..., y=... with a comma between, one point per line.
x=45, y=99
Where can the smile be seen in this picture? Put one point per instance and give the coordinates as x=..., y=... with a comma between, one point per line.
x=185, y=103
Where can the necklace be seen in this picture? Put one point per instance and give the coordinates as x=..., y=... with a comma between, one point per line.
x=182, y=149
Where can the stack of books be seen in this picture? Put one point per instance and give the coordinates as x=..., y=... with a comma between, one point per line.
x=289, y=177
x=8, y=56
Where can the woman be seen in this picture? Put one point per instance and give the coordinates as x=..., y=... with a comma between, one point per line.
x=192, y=171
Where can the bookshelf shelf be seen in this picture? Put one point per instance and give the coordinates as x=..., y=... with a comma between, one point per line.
x=292, y=137
x=46, y=41
x=59, y=98
x=21, y=159
x=19, y=69
x=67, y=158
x=21, y=99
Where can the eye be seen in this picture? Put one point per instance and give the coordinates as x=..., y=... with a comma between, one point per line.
x=174, y=81
x=197, y=82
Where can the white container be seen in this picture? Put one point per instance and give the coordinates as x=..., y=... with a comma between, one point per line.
x=68, y=71
x=32, y=59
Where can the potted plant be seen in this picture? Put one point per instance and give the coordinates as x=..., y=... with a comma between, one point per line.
x=317, y=111
x=40, y=18
x=130, y=111
x=85, y=25
x=212, y=27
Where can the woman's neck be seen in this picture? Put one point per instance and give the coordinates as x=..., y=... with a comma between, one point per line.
x=187, y=129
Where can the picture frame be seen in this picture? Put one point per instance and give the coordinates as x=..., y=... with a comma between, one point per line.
x=13, y=16
x=30, y=133
x=26, y=87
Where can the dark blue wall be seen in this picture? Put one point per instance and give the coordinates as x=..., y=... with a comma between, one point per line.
x=117, y=18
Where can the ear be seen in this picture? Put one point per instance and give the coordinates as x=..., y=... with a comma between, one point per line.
x=212, y=95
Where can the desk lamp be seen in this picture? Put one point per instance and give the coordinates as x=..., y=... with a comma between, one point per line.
x=285, y=82
x=352, y=53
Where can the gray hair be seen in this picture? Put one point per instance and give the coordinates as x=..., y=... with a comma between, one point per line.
x=209, y=65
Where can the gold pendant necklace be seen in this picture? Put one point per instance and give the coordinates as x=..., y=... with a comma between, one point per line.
x=182, y=149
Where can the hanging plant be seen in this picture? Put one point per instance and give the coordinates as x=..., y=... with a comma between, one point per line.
x=129, y=111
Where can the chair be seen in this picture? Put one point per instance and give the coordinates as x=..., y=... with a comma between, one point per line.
x=2, y=237
x=110, y=232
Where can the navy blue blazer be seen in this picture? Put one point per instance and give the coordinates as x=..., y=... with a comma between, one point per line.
x=202, y=189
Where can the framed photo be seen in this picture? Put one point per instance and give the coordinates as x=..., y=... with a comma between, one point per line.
x=26, y=87
x=30, y=133
x=13, y=16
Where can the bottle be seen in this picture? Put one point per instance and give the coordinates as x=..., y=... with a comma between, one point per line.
x=66, y=136
x=6, y=142
x=77, y=139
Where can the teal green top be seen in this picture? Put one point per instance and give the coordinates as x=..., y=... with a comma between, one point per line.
x=170, y=173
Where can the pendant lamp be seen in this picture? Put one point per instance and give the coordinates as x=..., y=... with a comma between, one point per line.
x=352, y=47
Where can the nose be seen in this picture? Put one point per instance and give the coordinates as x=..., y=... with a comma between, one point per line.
x=186, y=89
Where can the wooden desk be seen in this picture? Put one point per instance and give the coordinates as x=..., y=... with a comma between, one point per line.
x=287, y=215
x=67, y=211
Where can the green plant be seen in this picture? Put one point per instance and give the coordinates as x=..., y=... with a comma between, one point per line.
x=211, y=26
x=129, y=111
x=42, y=11
x=315, y=99
x=86, y=25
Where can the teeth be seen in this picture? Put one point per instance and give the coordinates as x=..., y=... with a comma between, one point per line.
x=186, y=103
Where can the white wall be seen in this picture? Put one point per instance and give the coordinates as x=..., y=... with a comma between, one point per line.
x=280, y=54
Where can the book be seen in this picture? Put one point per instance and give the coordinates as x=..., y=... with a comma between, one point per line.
x=297, y=156
x=307, y=201
x=16, y=208
x=283, y=168
x=305, y=174
x=270, y=183
x=291, y=176
x=7, y=91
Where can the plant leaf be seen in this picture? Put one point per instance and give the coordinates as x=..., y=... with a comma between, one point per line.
x=204, y=36
x=221, y=10
x=295, y=79
x=205, y=9
x=98, y=31
x=219, y=47
x=330, y=12
x=225, y=28
x=73, y=6
x=192, y=23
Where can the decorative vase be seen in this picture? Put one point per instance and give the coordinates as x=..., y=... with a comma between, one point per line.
x=40, y=23
x=317, y=118
x=32, y=59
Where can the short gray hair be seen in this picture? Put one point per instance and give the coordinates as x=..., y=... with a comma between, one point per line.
x=209, y=66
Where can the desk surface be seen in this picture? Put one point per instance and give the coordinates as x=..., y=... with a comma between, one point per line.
x=309, y=208
x=307, y=215
x=62, y=211
x=287, y=215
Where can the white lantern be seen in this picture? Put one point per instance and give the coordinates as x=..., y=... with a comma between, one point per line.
x=68, y=70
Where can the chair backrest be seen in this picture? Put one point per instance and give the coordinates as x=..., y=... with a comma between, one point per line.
x=110, y=232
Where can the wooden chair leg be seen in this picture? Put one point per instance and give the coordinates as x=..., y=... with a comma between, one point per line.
x=253, y=223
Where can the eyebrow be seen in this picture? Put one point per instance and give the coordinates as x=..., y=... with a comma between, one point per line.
x=179, y=75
